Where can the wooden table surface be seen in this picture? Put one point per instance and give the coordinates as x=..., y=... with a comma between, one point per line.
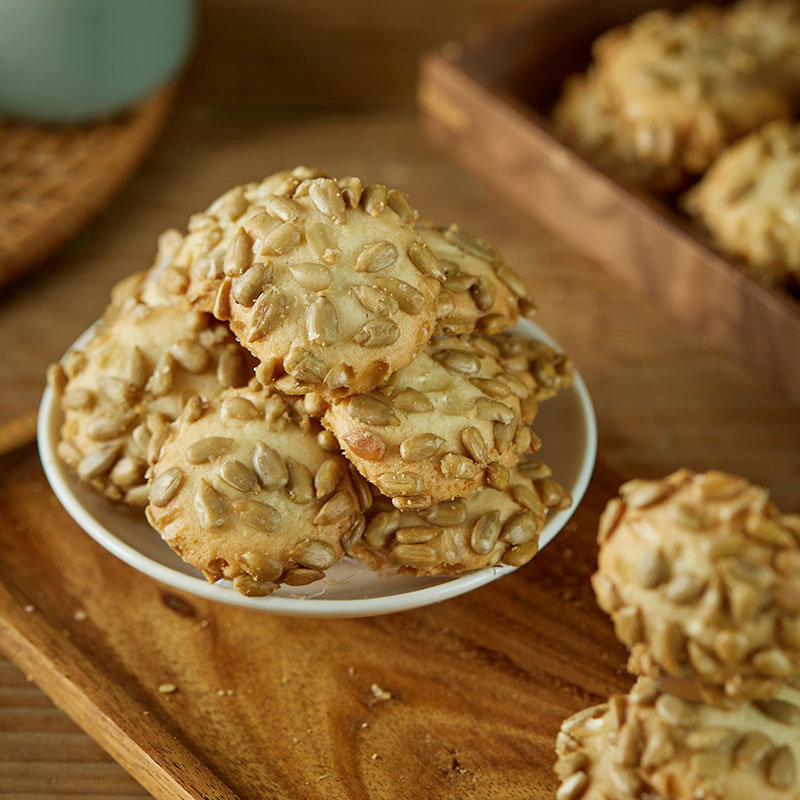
x=279, y=83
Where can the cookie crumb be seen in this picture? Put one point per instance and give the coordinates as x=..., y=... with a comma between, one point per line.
x=220, y=693
x=29, y=609
x=380, y=694
x=351, y=671
x=80, y=616
x=203, y=623
x=167, y=688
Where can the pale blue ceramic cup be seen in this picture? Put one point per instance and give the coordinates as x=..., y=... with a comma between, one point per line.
x=76, y=60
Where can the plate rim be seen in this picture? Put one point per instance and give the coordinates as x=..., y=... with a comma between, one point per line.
x=306, y=607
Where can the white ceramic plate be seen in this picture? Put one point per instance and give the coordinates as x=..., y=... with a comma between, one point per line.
x=566, y=425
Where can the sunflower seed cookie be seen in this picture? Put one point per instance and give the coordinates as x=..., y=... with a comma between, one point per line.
x=700, y=574
x=451, y=421
x=596, y=129
x=243, y=490
x=749, y=199
x=480, y=291
x=771, y=29
x=144, y=363
x=324, y=280
x=655, y=745
x=684, y=87
x=486, y=528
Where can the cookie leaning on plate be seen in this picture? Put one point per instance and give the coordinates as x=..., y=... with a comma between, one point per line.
x=324, y=280
x=243, y=490
x=149, y=356
x=481, y=291
x=488, y=527
x=451, y=421
x=651, y=744
x=700, y=574
x=749, y=199
x=684, y=87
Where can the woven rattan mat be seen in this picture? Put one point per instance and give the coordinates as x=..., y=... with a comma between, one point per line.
x=54, y=179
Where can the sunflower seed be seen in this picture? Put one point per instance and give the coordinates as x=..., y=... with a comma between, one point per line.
x=269, y=467
x=261, y=566
x=73, y=363
x=520, y=527
x=752, y=748
x=363, y=444
x=470, y=244
x=57, y=379
x=474, y=444
x=485, y=533
x=497, y=476
x=329, y=476
x=222, y=300
x=374, y=300
x=779, y=710
x=325, y=195
x=238, y=475
x=260, y=515
x=339, y=506
x=98, y=462
x=322, y=323
x=378, y=332
x=192, y=356
x=417, y=534
x=483, y=293
x=521, y=553
x=203, y=450
x=128, y=471
x=351, y=189
x=238, y=408
x=571, y=763
x=380, y=528
x=314, y=554
x=515, y=384
x=77, y=399
x=251, y=284
x=493, y=410
x=281, y=241
x=305, y=366
x=675, y=711
x=683, y=588
x=314, y=277
x=461, y=361
x=411, y=401
x=353, y=534
x=210, y=506
x=103, y=428
x=410, y=300
x=415, y=555
x=238, y=255
x=374, y=198
x=573, y=787
x=651, y=569
x=457, y=403
x=423, y=258
x=371, y=410
x=420, y=446
x=455, y=466
x=491, y=387
x=512, y=280
x=457, y=281
x=446, y=513
x=283, y=208
x=504, y=434
x=399, y=483
x=493, y=324
x=398, y=202
x=166, y=486
x=300, y=486
x=300, y=576
x=119, y=391
x=375, y=257
x=782, y=770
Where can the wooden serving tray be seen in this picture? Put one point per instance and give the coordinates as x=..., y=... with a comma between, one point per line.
x=270, y=707
x=488, y=105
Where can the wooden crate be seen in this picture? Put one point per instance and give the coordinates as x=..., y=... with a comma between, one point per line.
x=488, y=106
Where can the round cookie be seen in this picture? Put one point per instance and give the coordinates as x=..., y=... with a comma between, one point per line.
x=324, y=280
x=486, y=528
x=655, y=745
x=684, y=87
x=749, y=200
x=451, y=421
x=700, y=574
x=144, y=363
x=771, y=29
x=598, y=132
x=243, y=490
x=481, y=291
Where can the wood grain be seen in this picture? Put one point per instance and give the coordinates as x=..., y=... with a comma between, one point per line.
x=269, y=707
x=488, y=109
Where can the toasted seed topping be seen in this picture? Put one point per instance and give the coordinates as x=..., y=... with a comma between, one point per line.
x=371, y=410
x=204, y=450
x=314, y=277
x=420, y=446
x=376, y=256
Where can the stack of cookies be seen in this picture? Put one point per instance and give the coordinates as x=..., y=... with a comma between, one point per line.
x=313, y=371
x=701, y=576
x=665, y=102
